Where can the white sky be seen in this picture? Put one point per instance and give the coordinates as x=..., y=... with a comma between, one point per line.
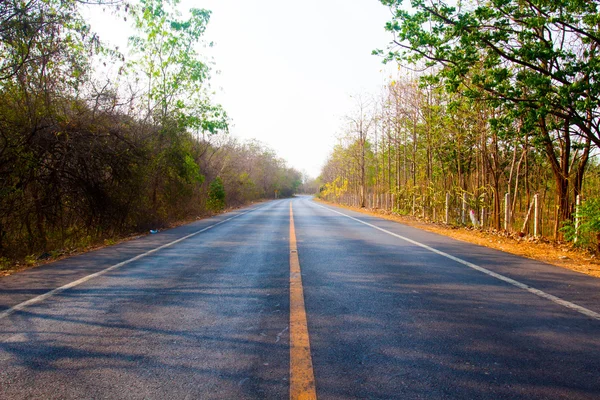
x=288, y=68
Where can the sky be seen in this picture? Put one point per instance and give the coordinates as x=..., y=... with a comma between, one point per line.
x=287, y=69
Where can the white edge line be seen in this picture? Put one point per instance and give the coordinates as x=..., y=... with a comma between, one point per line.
x=537, y=292
x=58, y=290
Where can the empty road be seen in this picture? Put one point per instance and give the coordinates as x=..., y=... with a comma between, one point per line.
x=293, y=298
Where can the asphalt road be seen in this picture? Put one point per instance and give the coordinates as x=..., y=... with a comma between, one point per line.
x=203, y=312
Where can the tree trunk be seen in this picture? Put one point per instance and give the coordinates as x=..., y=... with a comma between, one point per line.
x=578, y=182
x=560, y=169
x=362, y=172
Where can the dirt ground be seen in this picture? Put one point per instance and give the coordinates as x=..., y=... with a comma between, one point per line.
x=562, y=255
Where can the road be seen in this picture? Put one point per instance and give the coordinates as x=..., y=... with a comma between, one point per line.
x=342, y=306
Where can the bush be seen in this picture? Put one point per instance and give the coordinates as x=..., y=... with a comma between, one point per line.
x=216, y=195
x=588, y=232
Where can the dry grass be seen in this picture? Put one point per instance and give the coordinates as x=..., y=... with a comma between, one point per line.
x=33, y=262
x=560, y=254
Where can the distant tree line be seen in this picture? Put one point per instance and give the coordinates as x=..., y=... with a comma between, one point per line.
x=502, y=104
x=95, y=143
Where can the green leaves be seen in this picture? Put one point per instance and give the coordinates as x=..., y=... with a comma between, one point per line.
x=216, y=195
x=176, y=75
x=587, y=229
x=535, y=62
x=541, y=54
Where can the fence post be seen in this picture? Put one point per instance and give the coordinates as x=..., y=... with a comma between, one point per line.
x=447, y=207
x=393, y=201
x=577, y=204
x=507, y=211
x=536, y=219
x=413, y=207
x=463, y=214
x=483, y=211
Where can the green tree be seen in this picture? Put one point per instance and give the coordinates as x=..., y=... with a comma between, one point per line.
x=216, y=195
x=175, y=74
x=535, y=60
x=177, y=99
x=588, y=230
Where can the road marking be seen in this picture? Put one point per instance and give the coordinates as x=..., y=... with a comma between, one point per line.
x=537, y=292
x=61, y=289
x=302, y=377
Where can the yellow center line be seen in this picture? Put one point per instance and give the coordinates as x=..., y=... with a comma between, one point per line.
x=302, y=377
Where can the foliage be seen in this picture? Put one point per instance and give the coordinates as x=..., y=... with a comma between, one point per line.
x=175, y=74
x=588, y=230
x=84, y=161
x=216, y=195
x=251, y=171
x=539, y=57
x=337, y=187
x=533, y=62
x=310, y=185
x=38, y=36
x=426, y=142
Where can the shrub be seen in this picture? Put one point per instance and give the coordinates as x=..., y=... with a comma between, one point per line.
x=216, y=195
x=588, y=214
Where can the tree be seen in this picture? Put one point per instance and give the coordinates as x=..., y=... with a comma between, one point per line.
x=82, y=160
x=360, y=126
x=36, y=32
x=176, y=99
x=174, y=73
x=534, y=59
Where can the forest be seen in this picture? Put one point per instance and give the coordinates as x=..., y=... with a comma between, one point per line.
x=491, y=121
x=97, y=142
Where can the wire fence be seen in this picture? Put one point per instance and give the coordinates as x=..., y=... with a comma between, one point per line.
x=534, y=216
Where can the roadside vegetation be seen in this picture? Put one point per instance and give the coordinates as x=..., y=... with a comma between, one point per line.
x=492, y=121
x=96, y=143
